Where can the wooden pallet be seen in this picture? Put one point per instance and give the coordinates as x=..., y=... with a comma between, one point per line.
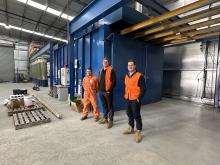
x=29, y=118
x=36, y=106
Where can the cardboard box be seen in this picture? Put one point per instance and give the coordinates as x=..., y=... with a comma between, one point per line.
x=77, y=105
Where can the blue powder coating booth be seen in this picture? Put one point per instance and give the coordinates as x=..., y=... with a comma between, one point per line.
x=59, y=60
x=45, y=50
x=93, y=36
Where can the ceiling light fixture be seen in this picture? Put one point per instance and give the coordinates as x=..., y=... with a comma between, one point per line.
x=32, y=32
x=46, y=8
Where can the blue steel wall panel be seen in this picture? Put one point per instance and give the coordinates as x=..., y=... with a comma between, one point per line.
x=87, y=53
x=51, y=64
x=96, y=10
x=97, y=54
x=58, y=66
x=72, y=50
x=149, y=62
x=154, y=72
x=80, y=58
x=55, y=67
x=60, y=59
x=97, y=50
x=124, y=49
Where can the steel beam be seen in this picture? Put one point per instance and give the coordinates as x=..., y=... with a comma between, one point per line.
x=40, y=52
x=155, y=6
x=182, y=29
x=200, y=36
x=96, y=10
x=184, y=20
x=189, y=34
x=167, y=15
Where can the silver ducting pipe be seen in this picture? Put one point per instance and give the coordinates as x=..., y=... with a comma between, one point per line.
x=138, y=7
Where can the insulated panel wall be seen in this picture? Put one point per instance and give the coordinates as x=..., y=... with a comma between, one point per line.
x=190, y=70
x=6, y=63
x=21, y=60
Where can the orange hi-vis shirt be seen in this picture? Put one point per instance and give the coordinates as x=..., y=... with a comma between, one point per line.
x=132, y=90
x=108, y=82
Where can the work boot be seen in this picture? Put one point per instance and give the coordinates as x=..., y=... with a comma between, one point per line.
x=138, y=136
x=103, y=121
x=96, y=119
x=130, y=130
x=84, y=118
x=110, y=124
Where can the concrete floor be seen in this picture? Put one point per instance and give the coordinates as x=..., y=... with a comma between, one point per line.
x=175, y=133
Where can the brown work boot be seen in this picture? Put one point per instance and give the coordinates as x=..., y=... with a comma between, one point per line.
x=110, y=124
x=129, y=131
x=96, y=119
x=103, y=121
x=84, y=118
x=138, y=136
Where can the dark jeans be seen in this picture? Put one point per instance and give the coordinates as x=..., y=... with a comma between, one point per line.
x=107, y=104
x=133, y=112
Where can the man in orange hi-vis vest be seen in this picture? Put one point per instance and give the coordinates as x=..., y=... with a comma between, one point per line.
x=135, y=88
x=107, y=81
x=90, y=86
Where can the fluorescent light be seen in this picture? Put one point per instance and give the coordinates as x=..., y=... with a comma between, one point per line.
x=215, y=16
x=48, y=36
x=32, y=32
x=198, y=21
x=205, y=27
x=37, y=5
x=26, y=30
x=39, y=34
x=53, y=11
x=44, y=7
x=65, y=16
x=70, y=18
x=215, y=25
x=7, y=27
x=2, y=24
x=65, y=41
x=23, y=1
x=15, y=27
x=57, y=38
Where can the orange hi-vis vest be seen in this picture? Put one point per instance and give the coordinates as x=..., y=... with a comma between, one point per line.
x=132, y=90
x=108, y=82
x=90, y=84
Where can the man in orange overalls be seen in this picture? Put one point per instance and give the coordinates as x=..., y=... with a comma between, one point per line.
x=90, y=86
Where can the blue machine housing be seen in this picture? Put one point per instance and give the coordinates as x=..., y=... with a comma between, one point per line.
x=60, y=59
x=90, y=43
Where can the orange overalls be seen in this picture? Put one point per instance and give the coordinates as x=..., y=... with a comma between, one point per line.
x=90, y=86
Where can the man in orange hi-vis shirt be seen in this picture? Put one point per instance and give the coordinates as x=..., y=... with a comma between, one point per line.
x=90, y=86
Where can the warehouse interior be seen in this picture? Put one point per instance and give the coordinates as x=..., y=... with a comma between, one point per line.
x=46, y=48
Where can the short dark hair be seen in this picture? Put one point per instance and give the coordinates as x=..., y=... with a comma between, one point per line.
x=89, y=68
x=106, y=58
x=131, y=60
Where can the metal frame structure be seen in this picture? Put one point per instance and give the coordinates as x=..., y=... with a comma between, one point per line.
x=162, y=34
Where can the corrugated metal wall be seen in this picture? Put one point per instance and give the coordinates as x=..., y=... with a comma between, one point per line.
x=21, y=60
x=6, y=63
x=190, y=70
